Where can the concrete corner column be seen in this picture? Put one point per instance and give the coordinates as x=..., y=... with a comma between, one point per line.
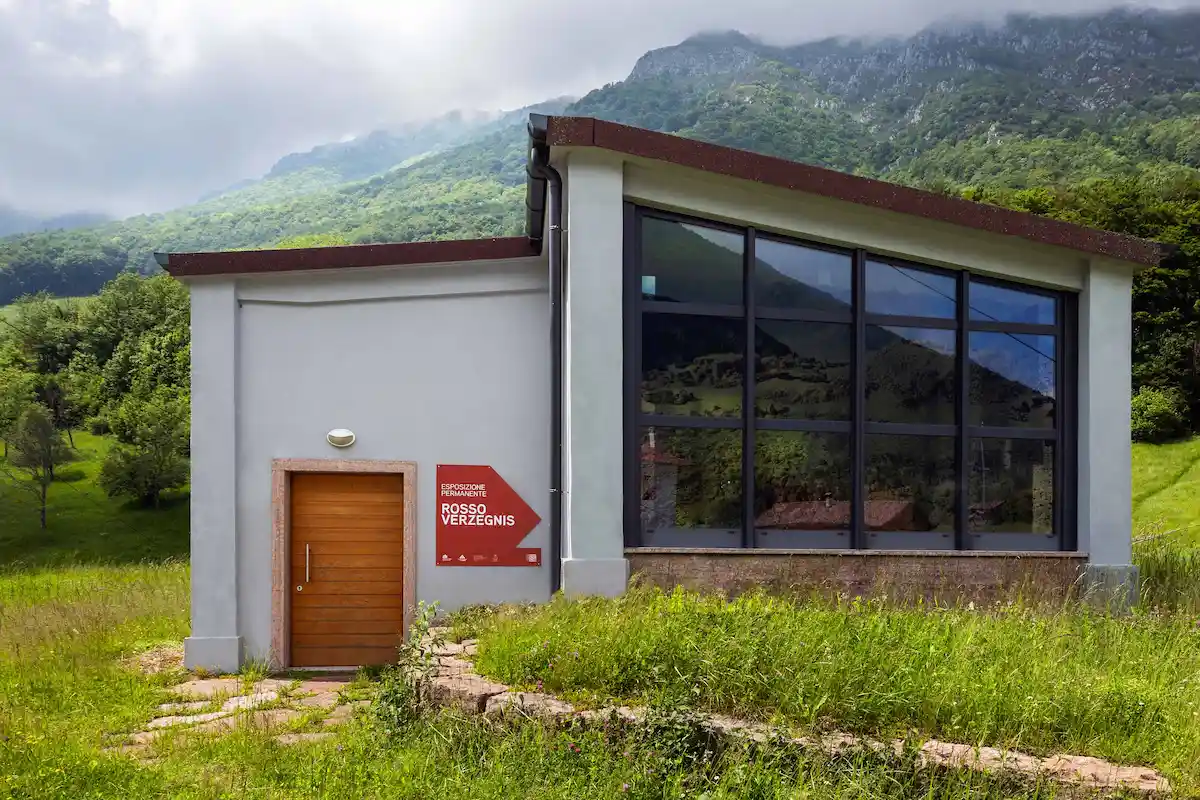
x=215, y=643
x=594, y=541
x=1105, y=473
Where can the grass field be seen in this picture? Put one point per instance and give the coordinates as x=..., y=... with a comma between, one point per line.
x=1166, y=490
x=108, y=580
x=9, y=311
x=66, y=634
x=85, y=526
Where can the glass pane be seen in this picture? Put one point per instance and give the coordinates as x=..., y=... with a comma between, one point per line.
x=999, y=304
x=801, y=481
x=911, y=375
x=692, y=365
x=910, y=292
x=691, y=479
x=1012, y=380
x=910, y=483
x=1011, y=486
x=802, y=370
x=796, y=277
x=684, y=263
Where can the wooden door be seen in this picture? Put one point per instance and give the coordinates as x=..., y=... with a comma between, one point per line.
x=347, y=568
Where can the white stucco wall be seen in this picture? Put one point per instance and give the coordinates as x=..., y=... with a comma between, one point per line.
x=439, y=364
x=593, y=446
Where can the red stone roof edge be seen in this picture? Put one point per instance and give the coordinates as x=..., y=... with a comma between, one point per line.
x=771, y=171
x=193, y=265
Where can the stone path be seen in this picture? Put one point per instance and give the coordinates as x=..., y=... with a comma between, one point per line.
x=218, y=705
x=457, y=685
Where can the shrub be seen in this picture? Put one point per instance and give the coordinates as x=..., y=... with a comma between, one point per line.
x=151, y=458
x=1158, y=415
x=403, y=695
x=99, y=425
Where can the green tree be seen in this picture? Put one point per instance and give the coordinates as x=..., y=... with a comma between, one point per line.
x=17, y=389
x=151, y=456
x=37, y=449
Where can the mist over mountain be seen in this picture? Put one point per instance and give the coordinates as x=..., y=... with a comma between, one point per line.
x=1033, y=102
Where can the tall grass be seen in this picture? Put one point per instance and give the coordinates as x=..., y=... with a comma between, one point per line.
x=1127, y=689
x=62, y=686
x=1168, y=563
x=63, y=690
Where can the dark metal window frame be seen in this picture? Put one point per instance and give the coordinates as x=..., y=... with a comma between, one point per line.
x=857, y=537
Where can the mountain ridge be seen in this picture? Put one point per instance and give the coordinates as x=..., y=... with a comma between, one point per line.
x=1034, y=102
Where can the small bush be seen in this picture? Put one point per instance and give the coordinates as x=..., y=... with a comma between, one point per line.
x=403, y=695
x=99, y=425
x=140, y=475
x=1158, y=415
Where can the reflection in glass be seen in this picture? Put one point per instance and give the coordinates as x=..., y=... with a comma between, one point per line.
x=1011, y=486
x=802, y=370
x=911, y=375
x=792, y=276
x=801, y=481
x=692, y=365
x=1000, y=304
x=684, y=263
x=905, y=291
x=910, y=483
x=690, y=478
x=1012, y=380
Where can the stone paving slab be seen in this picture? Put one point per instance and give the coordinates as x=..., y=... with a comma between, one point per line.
x=192, y=719
x=322, y=686
x=322, y=700
x=271, y=685
x=465, y=691
x=178, y=708
x=207, y=688
x=244, y=702
x=271, y=718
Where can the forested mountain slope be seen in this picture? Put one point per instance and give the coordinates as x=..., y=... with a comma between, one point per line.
x=1037, y=102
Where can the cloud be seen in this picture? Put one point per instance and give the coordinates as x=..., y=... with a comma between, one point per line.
x=133, y=105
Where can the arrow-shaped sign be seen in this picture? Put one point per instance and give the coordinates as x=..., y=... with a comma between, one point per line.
x=482, y=520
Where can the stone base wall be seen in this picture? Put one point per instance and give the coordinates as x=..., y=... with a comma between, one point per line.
x=904, y=576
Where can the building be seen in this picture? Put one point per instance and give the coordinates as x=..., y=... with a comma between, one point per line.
x=704, y=365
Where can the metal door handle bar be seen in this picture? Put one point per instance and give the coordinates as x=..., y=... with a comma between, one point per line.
x=306, y=555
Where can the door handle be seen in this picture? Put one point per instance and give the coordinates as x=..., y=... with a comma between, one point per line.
x=306, y=560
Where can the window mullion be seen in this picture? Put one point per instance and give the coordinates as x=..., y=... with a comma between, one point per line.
x=748, y=395
x=962, y=401
x=858, y=399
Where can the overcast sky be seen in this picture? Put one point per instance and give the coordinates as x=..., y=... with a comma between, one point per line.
x=126, y=106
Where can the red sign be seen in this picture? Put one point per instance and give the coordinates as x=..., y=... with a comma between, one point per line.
x=482, y=520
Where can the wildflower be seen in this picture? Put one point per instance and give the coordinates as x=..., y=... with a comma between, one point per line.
x=624, y=787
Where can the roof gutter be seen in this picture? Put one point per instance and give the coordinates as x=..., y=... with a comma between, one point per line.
x=543, y=194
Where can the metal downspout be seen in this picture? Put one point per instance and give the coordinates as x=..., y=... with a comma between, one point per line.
x=554, y=255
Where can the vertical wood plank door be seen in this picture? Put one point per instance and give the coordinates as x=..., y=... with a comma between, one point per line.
x=347, y=568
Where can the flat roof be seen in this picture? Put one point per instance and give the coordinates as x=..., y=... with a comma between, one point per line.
x=549, y=132
x=241, y=262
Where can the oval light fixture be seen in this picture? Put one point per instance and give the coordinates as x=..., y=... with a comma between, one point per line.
x=340, y=437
